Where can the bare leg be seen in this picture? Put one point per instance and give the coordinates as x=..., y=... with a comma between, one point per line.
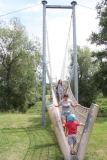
x=63, y=122
x=72, y=149
x=66, y=128
x=59, y=98
x=66, y=131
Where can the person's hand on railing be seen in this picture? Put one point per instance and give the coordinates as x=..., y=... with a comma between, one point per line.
x=75, y=105
x=57, y=105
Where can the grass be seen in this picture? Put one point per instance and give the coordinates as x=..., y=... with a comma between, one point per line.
x=97, y=148
x=23, y=138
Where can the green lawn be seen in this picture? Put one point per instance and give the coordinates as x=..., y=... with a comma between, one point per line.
x=97, y=148
x=23, y=138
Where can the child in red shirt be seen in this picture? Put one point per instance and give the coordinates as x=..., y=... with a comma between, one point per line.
x=72, y=131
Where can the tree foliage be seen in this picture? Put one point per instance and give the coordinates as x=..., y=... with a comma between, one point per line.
x=100, y=79
x=86, y=69
x=100, y=39
x=19, y=66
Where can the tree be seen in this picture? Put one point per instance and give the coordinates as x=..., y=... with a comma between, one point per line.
x=86, y=68
x=19, y=66
x=100, y=56
x=100, y=79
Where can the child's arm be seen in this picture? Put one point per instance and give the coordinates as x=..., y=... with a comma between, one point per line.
x=75, y=105
x=57, y=105
x=63, y=125
x=82, y=124
x=60, y=103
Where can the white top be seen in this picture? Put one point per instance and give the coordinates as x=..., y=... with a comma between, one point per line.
x=66, y=106
x=60, y=88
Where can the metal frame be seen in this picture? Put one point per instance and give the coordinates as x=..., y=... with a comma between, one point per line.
x=75, y=52
x=59, y=7
x=44, y=64
x=73, y=3
x=53, y=112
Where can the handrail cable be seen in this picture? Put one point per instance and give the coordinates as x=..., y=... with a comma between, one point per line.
x=87, y=7
x=19, y=10
x=48, y=49
x=63, y=67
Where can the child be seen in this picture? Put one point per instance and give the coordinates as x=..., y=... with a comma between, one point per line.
x=72, y=131
x=59, y=90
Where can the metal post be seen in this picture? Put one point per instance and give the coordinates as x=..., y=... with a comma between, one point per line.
x=44, y=64
x=87, y=132
x=75, y=52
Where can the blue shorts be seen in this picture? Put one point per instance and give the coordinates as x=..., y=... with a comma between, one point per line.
x=64, y=116
x=72, y=139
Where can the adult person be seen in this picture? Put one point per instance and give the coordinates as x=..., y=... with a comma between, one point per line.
x=66, y=104
x=59, y=90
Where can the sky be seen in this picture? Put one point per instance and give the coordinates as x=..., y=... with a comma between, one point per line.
x=58, y=21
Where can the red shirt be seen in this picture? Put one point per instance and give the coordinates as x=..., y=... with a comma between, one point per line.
x=72, y=127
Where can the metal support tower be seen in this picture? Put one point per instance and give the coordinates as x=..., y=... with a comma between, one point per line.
x=75, y=52
x=44, y=53
x=44, y=64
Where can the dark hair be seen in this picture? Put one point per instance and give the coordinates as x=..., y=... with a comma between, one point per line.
x=66, y=95
x=60, y=81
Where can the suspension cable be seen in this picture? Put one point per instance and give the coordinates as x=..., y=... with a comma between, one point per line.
x=64, y=61
x=19, y=10
x=48, y=49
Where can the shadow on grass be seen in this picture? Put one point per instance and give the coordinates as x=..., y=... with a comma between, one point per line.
x=45, y=145
x=41, y=139
x=42, y=143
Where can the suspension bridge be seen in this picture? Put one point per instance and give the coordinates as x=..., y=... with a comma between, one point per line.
x=83, y=114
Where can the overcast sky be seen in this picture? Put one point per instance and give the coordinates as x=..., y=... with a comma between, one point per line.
x=57, y=23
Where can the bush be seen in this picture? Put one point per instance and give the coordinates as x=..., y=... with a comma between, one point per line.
x=102, y=103
x=36, y=109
